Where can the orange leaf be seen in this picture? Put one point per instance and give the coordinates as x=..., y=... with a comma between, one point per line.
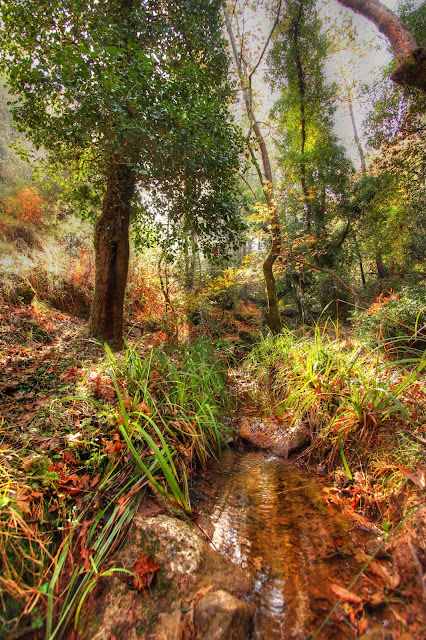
x=344, y=594
x=144, y=569
x=143, y=408
x=362, y=625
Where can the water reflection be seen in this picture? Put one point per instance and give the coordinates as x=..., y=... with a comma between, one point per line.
x=270, y=517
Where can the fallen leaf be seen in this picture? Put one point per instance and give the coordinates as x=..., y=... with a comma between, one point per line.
x=85, y=555
x=94, y=481
x=376, y=599
x=49, y=443
x=74, y=438
x=418, y=478
x=344, y=594
x=68, y=457
x=30, y=461
x=24, y=505
x=362, y=625
x=143, y=408
x=256, y=562
x=392, y=579
x=144, y=570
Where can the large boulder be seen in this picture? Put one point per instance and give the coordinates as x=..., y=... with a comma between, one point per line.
x=218, y=615
x=194, y=584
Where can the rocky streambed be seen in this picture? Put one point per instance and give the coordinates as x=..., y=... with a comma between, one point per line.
x=269, y=553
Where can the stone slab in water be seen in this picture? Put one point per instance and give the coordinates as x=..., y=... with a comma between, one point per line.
x=273, y=434
x=219, y=615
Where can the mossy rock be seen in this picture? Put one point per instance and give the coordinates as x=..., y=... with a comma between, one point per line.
x=25, y=292
x=35, y=333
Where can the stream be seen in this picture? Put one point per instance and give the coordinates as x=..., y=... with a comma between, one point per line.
x=278, y=521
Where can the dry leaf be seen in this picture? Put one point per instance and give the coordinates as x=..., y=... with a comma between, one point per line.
x=257, y=562
x=344, y=594
x=144, y=569
x=418, y=478
x=143, y=408
x=85, y=555
x=379, y=569
x=362, y=625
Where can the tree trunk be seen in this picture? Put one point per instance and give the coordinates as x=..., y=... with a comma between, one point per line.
x=355, y=131
x=112, y=256
x=361, y=268
x=273, y=318
x=411, y=59
x=381, y=269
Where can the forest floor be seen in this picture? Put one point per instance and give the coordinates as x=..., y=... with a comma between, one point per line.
x=51, y=453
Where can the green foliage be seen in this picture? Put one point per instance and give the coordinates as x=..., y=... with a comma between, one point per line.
x=310, y=153
x=345, y=392
x=180, y=395
x=396, y=321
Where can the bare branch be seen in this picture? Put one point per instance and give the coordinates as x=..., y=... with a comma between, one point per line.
x=274, y=26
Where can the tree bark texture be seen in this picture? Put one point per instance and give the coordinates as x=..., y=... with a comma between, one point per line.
x=411, y=58
x=112, y=256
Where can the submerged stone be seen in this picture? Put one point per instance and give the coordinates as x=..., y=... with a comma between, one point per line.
x=221, y=616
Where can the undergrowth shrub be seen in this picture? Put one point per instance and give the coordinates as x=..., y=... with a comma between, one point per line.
x=33, y=262
x=182, y=393
x=346, y=392
x=397, y=321
x=26, y=205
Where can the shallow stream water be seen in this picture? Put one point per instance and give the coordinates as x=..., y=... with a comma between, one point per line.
x=276, y=519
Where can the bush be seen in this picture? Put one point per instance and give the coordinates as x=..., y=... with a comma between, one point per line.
x=398, y=321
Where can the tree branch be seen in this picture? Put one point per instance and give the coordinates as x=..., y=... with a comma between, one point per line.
x=294, y=257
x=274, y=26
x=411, y=58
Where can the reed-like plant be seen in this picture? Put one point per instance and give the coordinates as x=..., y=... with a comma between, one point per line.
x=343, y=390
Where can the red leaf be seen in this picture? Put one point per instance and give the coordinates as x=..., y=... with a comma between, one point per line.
x=69, y=457
x=85, y=555
x=144, y=569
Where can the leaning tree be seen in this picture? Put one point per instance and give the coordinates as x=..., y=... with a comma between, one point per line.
x=130, y=98
x=410, y=55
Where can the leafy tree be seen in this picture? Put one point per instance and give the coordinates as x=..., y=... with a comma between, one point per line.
x=313, y=164
x=132, y=97
x=395, y=218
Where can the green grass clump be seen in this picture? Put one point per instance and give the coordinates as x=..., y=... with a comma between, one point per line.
x=345, y=391
x=176, y=400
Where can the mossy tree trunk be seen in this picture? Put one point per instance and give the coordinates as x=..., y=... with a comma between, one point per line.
x=112, y=256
